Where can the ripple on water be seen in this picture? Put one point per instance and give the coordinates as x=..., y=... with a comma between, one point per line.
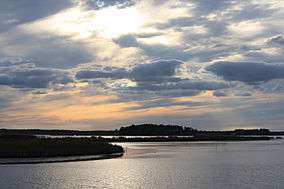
x=162, y=165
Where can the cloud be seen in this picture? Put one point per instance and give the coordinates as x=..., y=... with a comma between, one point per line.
x=277, y=40
x=159, y=45
x=158, y=78
x=28, y=76
x=207, y=6
x=162, y=103
x=18, y=12
x=247, y=71
x=98, y=4
x=183, y=84
x=127, y=41
x=111, y=43
x=219, y=93
x=44, y=49
x=245, y=94
x=149, y=71
x=250, y=11
x=243, y=114
x=7, y=96
x=112, y=73
x=155, y=70
x=275, y=86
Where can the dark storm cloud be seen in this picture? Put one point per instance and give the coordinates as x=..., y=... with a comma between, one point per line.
x=141, y=72
x=112, y=73
x=32, y=77
x=157, y=76
x=247, y=71
x=156, y=69
x=127, y=41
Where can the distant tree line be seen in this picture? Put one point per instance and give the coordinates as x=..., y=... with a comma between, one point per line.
x=140, y=130
x=154, y=129
x=30, y=147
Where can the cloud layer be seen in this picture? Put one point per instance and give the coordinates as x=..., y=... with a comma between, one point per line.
x=149, y=60
x=247, y=71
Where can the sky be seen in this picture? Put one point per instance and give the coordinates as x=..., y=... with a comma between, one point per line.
x=102, y=64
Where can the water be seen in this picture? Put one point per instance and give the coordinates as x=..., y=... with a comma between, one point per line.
x=110, y=136
x=201, y=165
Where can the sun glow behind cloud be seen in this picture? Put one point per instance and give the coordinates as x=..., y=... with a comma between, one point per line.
x=81, y=23
x=113, y=22
x=110, y=22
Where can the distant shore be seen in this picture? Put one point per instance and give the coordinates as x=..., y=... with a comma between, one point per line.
x=144, y=130
x=31, y=146
x=187, y=139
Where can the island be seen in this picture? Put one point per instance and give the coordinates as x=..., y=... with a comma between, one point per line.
x=32, y=149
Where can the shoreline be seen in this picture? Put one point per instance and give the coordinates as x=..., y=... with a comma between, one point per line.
x=62, y=159
x=188, y=139
x=32, y=150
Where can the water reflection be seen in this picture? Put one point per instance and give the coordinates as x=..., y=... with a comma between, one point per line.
x=162, y=165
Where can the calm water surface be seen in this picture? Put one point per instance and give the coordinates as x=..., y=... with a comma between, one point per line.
x=227, y=165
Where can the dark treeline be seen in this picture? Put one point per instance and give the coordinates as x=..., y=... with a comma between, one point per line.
x=33, y=147
x=156, y=130
x=186, y=138
x=141, y=130
x=55, y=132
x=27, y=143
